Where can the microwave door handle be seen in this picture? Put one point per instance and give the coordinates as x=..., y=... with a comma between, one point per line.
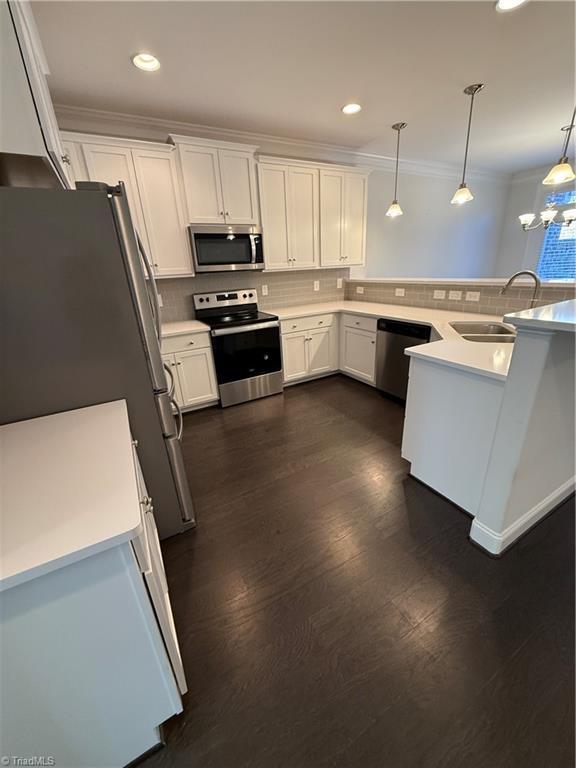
x=253, y=247
x=152, y=280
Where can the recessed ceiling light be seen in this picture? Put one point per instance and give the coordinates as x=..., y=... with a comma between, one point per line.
x=146, y=61
x=351, y=109
x=509, y=5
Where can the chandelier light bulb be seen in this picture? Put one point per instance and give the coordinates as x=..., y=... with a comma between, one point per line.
x=526, y=219
x=548, y=215
x=462, y=195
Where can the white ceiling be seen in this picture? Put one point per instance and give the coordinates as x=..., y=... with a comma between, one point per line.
x=286, y=68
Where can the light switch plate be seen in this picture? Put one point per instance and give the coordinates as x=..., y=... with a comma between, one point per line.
x=400, y=292
x=472, y=295
x=439, y=294
x=359, y=289
x=316, y=285
x=455, y=295
x=160, y=302
x=339, y=282
x=264, y=290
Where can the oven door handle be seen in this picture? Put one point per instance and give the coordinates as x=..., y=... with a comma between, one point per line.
x=243, y=328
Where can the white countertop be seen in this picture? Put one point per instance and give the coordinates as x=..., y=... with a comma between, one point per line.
x=184, y=326
x=68, y=490
x=554, y=317
x=486, y=359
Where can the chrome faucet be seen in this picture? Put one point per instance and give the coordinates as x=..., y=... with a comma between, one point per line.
x=533, y=275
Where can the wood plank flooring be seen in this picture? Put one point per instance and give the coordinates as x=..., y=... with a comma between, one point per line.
x=332, y=612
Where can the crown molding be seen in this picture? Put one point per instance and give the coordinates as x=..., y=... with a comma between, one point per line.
x=87, y=120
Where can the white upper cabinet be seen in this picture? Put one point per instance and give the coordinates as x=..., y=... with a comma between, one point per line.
x=110, y=164
x=290, y=215
x=343, y=204
x=331, y=218
x=303, y=217
x=150, y=175
x=162, y=208
x=219, y=181
x=238, y=186
x=273, y=180
x=201, y=181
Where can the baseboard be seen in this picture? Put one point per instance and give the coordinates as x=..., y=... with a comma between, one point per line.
x=495, y=543
x=310, y=378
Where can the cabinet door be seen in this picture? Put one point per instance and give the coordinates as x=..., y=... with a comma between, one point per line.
x=358, y=353
x=202, y=187
x=294, y=356
x=331, y=218
x=163, y=212
x=321, y=351
x=73, y=162
x=170, y=363
x=303, y=217
x=238, y=186
x=110, y=164
x=274, y=204
x=196, y=376
x=354, y=237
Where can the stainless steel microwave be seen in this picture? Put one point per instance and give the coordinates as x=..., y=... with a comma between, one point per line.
x=224, y=248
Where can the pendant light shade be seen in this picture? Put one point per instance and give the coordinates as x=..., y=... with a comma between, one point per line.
x=463, y=194
x=562, y=171
x=394, y=210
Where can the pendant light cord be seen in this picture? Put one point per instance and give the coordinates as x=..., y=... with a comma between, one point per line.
x=568, y=134
x=396, y=174
x=468, y=137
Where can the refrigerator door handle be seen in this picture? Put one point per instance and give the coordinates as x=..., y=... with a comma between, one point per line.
x=152, y=281
x=180, y=418
x=172, y=386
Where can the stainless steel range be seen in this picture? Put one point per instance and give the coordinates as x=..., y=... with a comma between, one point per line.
x=245, y=342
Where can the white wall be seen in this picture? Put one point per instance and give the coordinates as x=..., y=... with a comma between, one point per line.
x=519, y=249
x=433, y=238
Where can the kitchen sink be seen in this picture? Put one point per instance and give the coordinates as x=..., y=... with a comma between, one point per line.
x=482, y=328
x=495, y=338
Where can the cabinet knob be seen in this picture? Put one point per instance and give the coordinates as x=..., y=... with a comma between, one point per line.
x=65, y=159
x=135, y=443
x=320, y=322
x=191, y=343
x=179, y=363
x=221, y=213
x=227, y=214
x=357, y=322
x=373, y=342
x=294, y=326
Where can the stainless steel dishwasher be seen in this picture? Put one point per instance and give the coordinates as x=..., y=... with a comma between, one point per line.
x=393, y=337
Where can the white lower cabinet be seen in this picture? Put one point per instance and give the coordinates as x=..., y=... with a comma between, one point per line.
x=358, y=353
x=310, y=350
x=192, y=370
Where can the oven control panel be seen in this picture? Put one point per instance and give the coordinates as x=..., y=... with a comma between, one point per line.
x=226, y=298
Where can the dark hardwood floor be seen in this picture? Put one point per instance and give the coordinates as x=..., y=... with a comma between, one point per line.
x=332, y=612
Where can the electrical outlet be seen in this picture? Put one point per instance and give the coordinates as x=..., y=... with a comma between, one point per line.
x=400, y=292
x=359, y=289
x=264, y=290
x=472, y=295
x=339, y=282
x=438, y=294
x=160, y=302
x=316, y=285
x=455, y=295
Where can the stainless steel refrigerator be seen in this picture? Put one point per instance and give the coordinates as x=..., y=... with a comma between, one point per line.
x=79, y=325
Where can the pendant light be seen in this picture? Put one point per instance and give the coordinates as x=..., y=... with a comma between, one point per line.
x=463, y=194
x=395, y=209
x=562, y=171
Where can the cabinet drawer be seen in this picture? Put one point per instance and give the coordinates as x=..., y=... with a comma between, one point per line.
x=357, y=321
x=307, y=323
x=185, y=342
